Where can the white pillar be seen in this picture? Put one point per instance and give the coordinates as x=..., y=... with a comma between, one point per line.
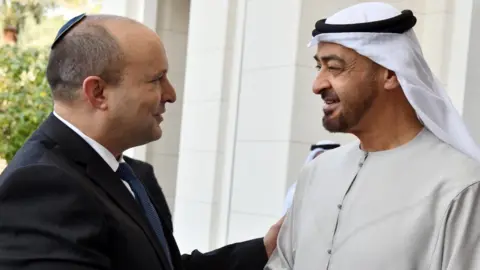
x=208, y=125
x=471, y=108
x=172, y=27
x=460, y=48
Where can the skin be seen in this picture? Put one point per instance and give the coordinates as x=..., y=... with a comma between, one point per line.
x=129, y=114
x=363, y=98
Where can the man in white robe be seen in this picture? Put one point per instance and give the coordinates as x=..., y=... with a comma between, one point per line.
x=315, y=150
x=405, y=196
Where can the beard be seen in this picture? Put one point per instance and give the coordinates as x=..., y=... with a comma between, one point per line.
x=351, y=112
x=338, y=124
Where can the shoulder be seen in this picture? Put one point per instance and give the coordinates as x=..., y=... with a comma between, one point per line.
x=335, y=158
x=342, y=153
x=37, y=178
x=43, y=190
x=48, y=215
x=346, y=149
x=38, y=158
x=454, y=164
x=36, y=149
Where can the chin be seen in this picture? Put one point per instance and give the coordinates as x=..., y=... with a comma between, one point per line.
x=334, y=125
x=157, y=133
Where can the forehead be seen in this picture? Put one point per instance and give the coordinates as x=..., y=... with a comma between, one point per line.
x=328, y=49
x=143, y=47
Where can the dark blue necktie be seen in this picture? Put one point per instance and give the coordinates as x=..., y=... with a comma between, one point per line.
x=126, y=173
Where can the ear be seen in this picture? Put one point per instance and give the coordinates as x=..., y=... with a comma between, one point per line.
x=93, y=89
x=391, y=80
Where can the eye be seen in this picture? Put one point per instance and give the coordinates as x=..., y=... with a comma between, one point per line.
x=333, y=68
x=158, y=78
x=330, y=68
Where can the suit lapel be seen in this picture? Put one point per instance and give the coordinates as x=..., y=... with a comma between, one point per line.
x=155, y=193
x=98, y=170
x=114, y=187
x=145, y=174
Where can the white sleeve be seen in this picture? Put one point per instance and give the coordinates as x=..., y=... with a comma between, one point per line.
x=283, y=257
x=458, y=246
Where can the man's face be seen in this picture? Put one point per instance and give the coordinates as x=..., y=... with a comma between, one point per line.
x=140, y=100
x=348, y=85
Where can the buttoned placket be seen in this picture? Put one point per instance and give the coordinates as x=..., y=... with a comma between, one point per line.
x=330, y=251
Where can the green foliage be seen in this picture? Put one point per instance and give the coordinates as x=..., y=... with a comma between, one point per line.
x=40, y=35
x=15, y=13
x=25, y=99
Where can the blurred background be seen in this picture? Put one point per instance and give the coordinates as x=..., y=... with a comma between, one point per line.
x=245, y=116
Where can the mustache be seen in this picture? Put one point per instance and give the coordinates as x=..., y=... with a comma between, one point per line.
x=330, y=95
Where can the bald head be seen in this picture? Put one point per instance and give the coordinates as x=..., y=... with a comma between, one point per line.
x=92, y=48
x=111, y=71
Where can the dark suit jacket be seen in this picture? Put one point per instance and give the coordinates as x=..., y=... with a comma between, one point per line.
x=63, y=208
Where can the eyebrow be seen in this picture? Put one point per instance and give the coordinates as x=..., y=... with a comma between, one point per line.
x=331, y=57
x=159, y=75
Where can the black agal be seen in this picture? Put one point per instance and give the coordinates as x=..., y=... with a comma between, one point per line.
x=398, y=24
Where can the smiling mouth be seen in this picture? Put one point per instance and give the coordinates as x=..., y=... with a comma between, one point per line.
x=330, y=106
x=158, y=117
x=331, y=101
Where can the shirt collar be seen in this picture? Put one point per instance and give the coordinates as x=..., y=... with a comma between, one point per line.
x=100, y=149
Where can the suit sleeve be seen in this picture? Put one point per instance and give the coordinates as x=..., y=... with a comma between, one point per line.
x=458, y=245
x=249, y=255
x=49, y=222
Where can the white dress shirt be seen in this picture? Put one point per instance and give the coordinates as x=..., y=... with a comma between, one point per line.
x=100, y=149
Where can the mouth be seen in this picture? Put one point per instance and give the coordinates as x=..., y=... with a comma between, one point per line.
x=331, y=104
x=158, y=117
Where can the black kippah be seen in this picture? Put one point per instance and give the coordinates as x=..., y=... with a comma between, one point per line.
x=67, y=27
x=397, y=25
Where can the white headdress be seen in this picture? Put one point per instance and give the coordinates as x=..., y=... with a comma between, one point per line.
x=382, y=33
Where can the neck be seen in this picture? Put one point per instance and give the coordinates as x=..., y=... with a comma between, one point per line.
x=395, y=126
x=88, y=125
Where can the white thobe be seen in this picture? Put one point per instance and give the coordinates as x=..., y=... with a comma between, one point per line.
x=413, y=207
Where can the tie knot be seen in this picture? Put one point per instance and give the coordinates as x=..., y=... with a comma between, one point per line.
x=126, y=173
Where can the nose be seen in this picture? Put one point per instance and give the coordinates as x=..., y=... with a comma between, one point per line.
x=321, y=83
x=169, y=94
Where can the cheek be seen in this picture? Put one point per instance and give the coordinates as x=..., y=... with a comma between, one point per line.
x=150, y=102
x=348, y=100
x=118, y=104
x=348, y=90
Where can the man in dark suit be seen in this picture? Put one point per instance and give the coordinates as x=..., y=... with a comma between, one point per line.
x=69, y=199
